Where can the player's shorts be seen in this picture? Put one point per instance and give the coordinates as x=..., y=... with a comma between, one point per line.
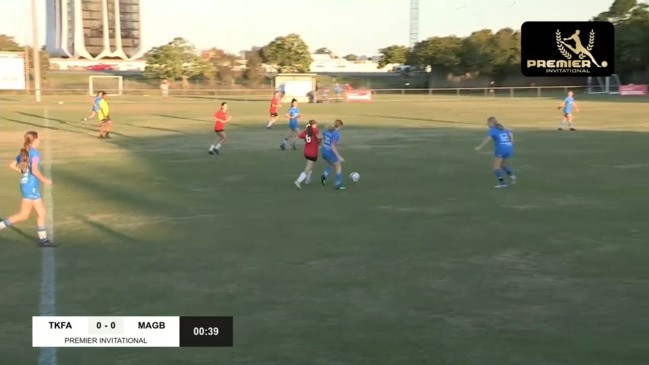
x=105, y=120
x=219, y=130
x=30, y=192
x=504, y=154
x=329, y=156
x=95, y=109
x=273, y=115
x=566, y=114
x=293, y=125
x=311, y=158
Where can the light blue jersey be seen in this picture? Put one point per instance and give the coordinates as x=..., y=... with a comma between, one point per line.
x=30, y=186
x=568, y=104
x=95, y=104
x=503, y=145
x=293, y=115
x=330, y=138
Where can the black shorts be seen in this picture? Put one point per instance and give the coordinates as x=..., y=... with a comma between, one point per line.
x=566, y=114
x=105, y=120
x=273, y=115
x=311, y=158
x=219, y=130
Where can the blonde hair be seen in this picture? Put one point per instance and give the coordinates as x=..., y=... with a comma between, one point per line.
x=493, y=122
x=337, y=124
x=29, y=139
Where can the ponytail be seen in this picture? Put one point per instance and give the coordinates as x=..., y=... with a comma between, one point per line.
x=499, y=126
x=24, y=152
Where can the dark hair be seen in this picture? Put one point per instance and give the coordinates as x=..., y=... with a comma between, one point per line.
x=337, y=124
x=293, y=101
x=309, y=127
x=30, y=137
x=223, y=103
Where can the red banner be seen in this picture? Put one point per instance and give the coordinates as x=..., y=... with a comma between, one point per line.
x=359, y=95
x=634, y=90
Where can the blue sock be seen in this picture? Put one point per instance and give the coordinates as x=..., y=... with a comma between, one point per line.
x=499, y=175
x=339, y=179
x=327, y=171
x=508, y=171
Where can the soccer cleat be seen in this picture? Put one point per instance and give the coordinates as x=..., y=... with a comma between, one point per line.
x=211, y=152
x=307, y=181
x=560, y=129
x=216, y=151
x=46, y=243
x=323, y=179
x=83, y=120
x=294, y=148
x=514, y=179
x=500, y=186
x=341, y=187
x=573, y=129
x=282, y=146
x=297, y=184
x=101, y=136
x=107, y=135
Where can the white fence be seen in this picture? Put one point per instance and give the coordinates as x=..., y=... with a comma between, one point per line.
x=241, y=94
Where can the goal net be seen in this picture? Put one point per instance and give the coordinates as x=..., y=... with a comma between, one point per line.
x=603, y=85
x=112, y=85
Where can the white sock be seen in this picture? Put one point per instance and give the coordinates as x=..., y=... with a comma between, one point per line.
x=211, y=147
x=302, y=177
x=218, y=145
x=308, y=176
x=3, y=225
x=42, y=234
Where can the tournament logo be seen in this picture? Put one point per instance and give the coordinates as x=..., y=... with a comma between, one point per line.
x=567, y=49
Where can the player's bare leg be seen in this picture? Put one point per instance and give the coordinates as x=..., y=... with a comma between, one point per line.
x=92, y=115
x=102, y=129
x=215, y=148
x=271, y=121
x=109, y=128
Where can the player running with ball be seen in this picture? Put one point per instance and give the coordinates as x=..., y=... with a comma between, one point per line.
x=331, y=137
x=312, y=138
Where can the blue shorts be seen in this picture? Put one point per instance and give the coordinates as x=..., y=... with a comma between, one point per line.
x=329, y=156
x=504, y=154
x=293, y=125
x=30, y=192
x=95, y=109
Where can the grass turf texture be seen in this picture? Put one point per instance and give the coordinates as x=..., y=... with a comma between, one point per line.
x=422, y=261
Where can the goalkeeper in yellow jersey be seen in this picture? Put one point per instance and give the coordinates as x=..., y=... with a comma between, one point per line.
x=103, y=114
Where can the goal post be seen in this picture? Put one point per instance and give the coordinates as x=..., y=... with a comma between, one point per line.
x=603, y=85
x=112, y=85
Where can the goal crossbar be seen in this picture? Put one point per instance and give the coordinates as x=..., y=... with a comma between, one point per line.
x=115, y=90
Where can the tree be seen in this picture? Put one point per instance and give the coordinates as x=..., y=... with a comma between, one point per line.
x=8, y=44
x=477, y=52
x=289, y=54
x=393, y=54
x=631, y=20
x=323, y=50
x=177, y=60
x=351, y=57
x=441, y=53
x=255, y=72
x=224, y=65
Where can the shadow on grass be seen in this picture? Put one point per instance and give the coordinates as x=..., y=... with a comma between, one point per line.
x=154, y=128
x=419, y=119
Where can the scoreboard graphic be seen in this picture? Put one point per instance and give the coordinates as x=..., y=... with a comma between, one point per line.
x=132, y=331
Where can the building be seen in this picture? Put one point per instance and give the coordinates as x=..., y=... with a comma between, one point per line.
x=94, y=29
x=324, y=63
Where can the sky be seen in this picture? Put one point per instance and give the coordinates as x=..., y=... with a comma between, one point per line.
x=360, y=27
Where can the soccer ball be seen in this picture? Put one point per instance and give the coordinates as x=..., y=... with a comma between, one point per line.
x=355, y=176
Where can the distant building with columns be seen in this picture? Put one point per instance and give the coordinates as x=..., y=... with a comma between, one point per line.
x=94, y=29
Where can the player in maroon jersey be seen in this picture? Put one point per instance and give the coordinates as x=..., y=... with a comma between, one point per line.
x=312, y=138
x=274, y=109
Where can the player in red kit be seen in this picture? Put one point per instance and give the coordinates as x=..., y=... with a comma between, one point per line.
x=220, y=118
x=274, y=109
x=312, y=138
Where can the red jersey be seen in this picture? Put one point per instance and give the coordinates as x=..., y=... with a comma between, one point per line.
x=274, y=105
x=311, y=142
x=219, y=120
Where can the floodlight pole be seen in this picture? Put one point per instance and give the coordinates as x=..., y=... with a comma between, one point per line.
x=36, y=57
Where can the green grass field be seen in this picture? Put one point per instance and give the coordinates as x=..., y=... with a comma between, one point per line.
x=421, y=262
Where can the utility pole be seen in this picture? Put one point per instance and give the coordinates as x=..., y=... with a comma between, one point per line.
x=27, y=78
x=36, y=54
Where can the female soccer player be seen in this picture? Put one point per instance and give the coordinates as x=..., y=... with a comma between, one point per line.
x=28, y=163
x=293, y=124
x=312, y=138
x=220, y=118
x=568, y=105
x=95, y=107
x=274, y=109
x=503, y=150
x=103, y=114
x=331, y=137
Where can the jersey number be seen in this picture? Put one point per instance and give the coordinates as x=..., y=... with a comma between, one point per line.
x=504, y=137
x=307, y=138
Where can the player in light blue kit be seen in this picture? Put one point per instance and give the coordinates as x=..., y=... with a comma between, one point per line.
x=95, y=107
x=293, y=124
x=568, y=106
x=28, y=164
x=503, y=150
x=329, y=152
